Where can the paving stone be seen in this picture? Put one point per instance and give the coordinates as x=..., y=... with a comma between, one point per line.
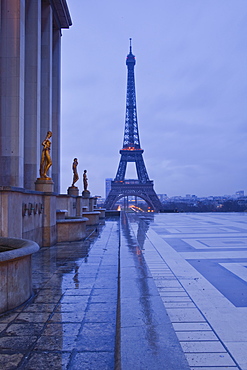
x=163, y=284
x=101, y=316
x=60, y=329
x=49, y=298
x=10, y=361
x=16, y=343
x=71, y=307
x=66, y=317
x=185, y=315
x=28, y=329
x=40, y=307
x=209, y=359
x=238, y=350
x=175, y=299
x=93, y=360
x=179, y=305
x=7, y=318
x=102, y=306
x=196, y=335
x=48, y=361
x=91, y=338
x=191, y=326
x=180, y=294
x=205, y=347
x=2, y=327
x=37, y=317
x=104, y=298
x=170, y=289
x=76, y=300
x=55, y=343
x=78, y=291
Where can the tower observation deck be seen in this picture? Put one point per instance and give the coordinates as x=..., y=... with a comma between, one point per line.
x=132, y=152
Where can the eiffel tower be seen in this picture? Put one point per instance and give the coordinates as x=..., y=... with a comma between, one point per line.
x=132, y=152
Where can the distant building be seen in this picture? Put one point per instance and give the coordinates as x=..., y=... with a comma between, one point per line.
x=162, y=197
x=240, y=193
x=108, y=186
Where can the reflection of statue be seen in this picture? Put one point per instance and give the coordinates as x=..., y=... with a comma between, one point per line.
x=46, y=161
x=85, y=180
x=74, y=168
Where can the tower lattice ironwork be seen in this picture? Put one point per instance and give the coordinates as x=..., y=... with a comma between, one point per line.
x=132, y=152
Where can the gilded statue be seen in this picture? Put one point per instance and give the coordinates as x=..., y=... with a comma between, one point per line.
x=85, y=180
x=46, y=161
x=75, y=173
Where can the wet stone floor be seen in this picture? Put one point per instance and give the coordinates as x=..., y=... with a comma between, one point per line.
x=147, y=292
x=70, y=323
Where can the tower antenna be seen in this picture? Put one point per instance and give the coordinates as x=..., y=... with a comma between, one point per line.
x=130, y=45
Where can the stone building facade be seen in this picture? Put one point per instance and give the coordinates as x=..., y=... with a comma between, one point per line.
x=30, y=60
x=30, y=87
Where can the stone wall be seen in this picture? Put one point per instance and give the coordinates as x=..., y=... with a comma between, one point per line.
x=28, y=215
x=33, y=215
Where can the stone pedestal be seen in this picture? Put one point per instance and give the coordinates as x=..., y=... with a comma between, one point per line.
x=93, y=217
x=86, y=194
x=45, y=185
x=73, y=190
x=85, y=200
x=92, y=203
x=78, y=206
x=67, y=202
x=69, y=230
x=61, y=214
x=102, y=212
x=49, y=225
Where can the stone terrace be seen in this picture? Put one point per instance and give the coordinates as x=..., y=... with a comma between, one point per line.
x=163, y=291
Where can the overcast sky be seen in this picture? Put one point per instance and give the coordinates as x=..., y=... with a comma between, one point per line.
x=191, y=88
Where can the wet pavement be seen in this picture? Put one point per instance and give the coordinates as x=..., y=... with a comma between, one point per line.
x=199, y=264
x=148, y=340
x=71, y=321
x=144, y=292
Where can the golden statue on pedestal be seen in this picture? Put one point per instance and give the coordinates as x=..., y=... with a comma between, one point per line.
x=46, y=162
x=75, y=173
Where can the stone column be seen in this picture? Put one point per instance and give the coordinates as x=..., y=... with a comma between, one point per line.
x=56, y=97
x=32, y=92
x=12, y=55
x=46, y=70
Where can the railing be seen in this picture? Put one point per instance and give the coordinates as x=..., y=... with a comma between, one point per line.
x=131, y=182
